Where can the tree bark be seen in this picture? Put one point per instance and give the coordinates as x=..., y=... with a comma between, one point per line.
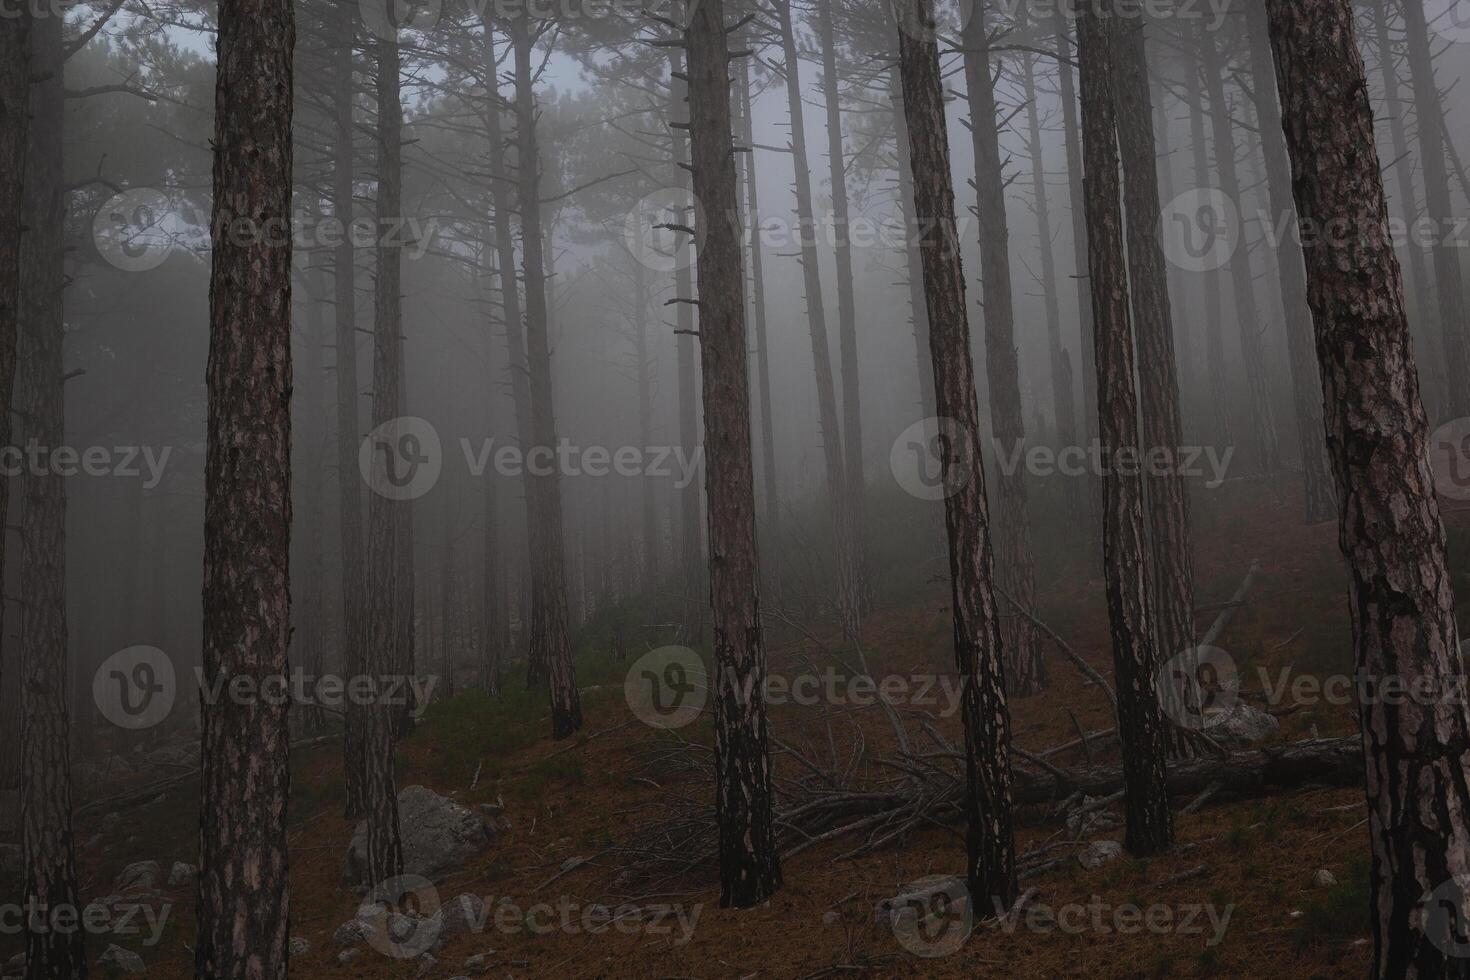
x=551, y=630
x=1025, y=668
x=1390, y=529
x=244, y=886
x=913, y=262
x=48, y=846
x=1141, y=725
x=1171, y=538
x=1321, y=502
x=749, y=870
x=990, y=832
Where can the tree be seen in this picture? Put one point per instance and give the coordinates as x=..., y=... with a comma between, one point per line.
x=749, y=870
x=1141, y=726
x=1026, y=669
x=1390, y=533
x=48, y=845
x=15, y=114
x=244, y=888
x=990, y=833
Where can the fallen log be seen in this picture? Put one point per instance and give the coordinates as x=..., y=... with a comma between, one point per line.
x=1324, y=761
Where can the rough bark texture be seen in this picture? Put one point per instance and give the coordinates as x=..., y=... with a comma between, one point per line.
x=1141, y=727
x=552, y=625
x=913, y=261
x=749, y=870
x=849, y=586
x=385, y=525
x=244, y=888
x=309, y=635
x=1416, y=749
x=49, y=851
x=1264, y=441
x=990, y=834
x=1171, y=539
x=1448, y=282
x=1321, y=502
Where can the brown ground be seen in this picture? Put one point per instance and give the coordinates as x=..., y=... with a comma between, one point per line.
x=1254, y=857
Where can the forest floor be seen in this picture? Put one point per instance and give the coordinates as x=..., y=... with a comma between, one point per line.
x=1235, y=898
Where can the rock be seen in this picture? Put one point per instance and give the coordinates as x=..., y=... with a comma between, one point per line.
x=1242, y=726
x=463, y=914
x=299, y=946
x=355, y=931
x=182, y=874
x=118, y=962
x=139, y=876
x=1324, y=878
x=439, y=835
x=1087, y=818
x=348, y=955
x=830, y=917
x=921, y=894
x=1100, y=852
x=480, y=961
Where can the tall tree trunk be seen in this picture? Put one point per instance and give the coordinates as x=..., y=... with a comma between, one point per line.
x=49, y=850
x=1141, y=727
x=990, y=834
x=1063, y=398
x=1025, y=669
x=1390, y=529
x=15, y=114
x=1217, y=369
x=1264, y=440
x=551, y=631
x=749, y=870
x=1072, y=133
x=1171, y=537
x=643, y=374
x=244, y=886
x=349, y=488
x=849, y=586
x=1321, y=501
x=493, y=610
x=1448, y=282
x=385, y=523
x=847, y=334
x=310, y=631
x=913, y=261
x=758, y=285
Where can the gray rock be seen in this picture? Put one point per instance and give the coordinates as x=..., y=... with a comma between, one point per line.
x=1100, y=852
x=1324, y=878
x=140, y=876
x=439, y=835
x=299, y=946
x=480, y=961
x=1242, y=726
x=118, y=962
x=465, y=913
x=920, y=894
x=182, y=874
x=348, y=955
x=355, y=931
